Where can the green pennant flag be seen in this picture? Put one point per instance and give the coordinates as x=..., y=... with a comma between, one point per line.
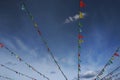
x=79, y=70
x=32, y=18
x=80, y=24
x=79, y=46
x=110, y=62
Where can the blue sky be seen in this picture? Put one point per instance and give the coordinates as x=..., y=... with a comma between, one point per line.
x=100, y=31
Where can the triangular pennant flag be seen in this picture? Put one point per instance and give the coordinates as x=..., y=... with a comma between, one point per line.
x=20, y=59
x=17, y=56
x=1, y=45
x=35, y=24
x=81, y=15
x=100, y=73
x=39, y=32
x=80, y=36
x=78, y=65
x=23, y=7
x=78, y=54
x=117, y=49
x=48, y=49
x=78, y=58
x=112, y=58
x=81, y=41
x=116, y=54
x=80, y=30
x=80, y=24
x=16, y=72
x=82, y=4
x=110, y=62
x=79, y=46
x=79, y=70
x=31, y=16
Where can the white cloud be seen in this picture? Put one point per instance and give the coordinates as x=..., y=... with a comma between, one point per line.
x=89, y=74
x=68, y=60
x=73, y=18
x=21, y=44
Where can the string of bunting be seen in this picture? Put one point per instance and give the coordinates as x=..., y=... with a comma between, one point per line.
x=24, y=8
x=80, y=36
x=118, y=78
x=113, y=76
x=116, y=75
x=6, y=77
x=17, y=72
x=110, y=61
x=21, y=60
x=111, y=73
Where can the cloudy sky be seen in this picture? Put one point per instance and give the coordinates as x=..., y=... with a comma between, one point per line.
x=58, y=22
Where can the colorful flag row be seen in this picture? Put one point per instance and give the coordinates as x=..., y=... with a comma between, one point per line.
x=19, y=73
x=6, y=77
x=80, y=36
x=111, y=73
x=21, y=60
x=110, y=61
x=24, y=8
x=116, y=75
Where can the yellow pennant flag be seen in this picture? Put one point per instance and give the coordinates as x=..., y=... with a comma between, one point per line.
x=112, y=58
x=35, y=25
x=17, y=56
x=81, y=15
x=81, y=41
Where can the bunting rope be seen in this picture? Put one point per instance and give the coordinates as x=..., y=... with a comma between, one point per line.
x=17, y=72
x=24, y=8
x=116, y=75
x=21, y=60
x=110, y=61
x=6, y=77
x=118, y=78
x=111, y=73
x=80, y=37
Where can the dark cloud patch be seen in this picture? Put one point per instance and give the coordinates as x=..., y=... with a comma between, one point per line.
x=52, y=72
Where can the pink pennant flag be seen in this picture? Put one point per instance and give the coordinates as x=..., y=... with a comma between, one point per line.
x=116, y=54
x=1, y=45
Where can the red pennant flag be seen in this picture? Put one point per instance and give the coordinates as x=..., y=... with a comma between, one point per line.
x=82, y=4
x=1, y=45
x=80, y=36
x=116, y=54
